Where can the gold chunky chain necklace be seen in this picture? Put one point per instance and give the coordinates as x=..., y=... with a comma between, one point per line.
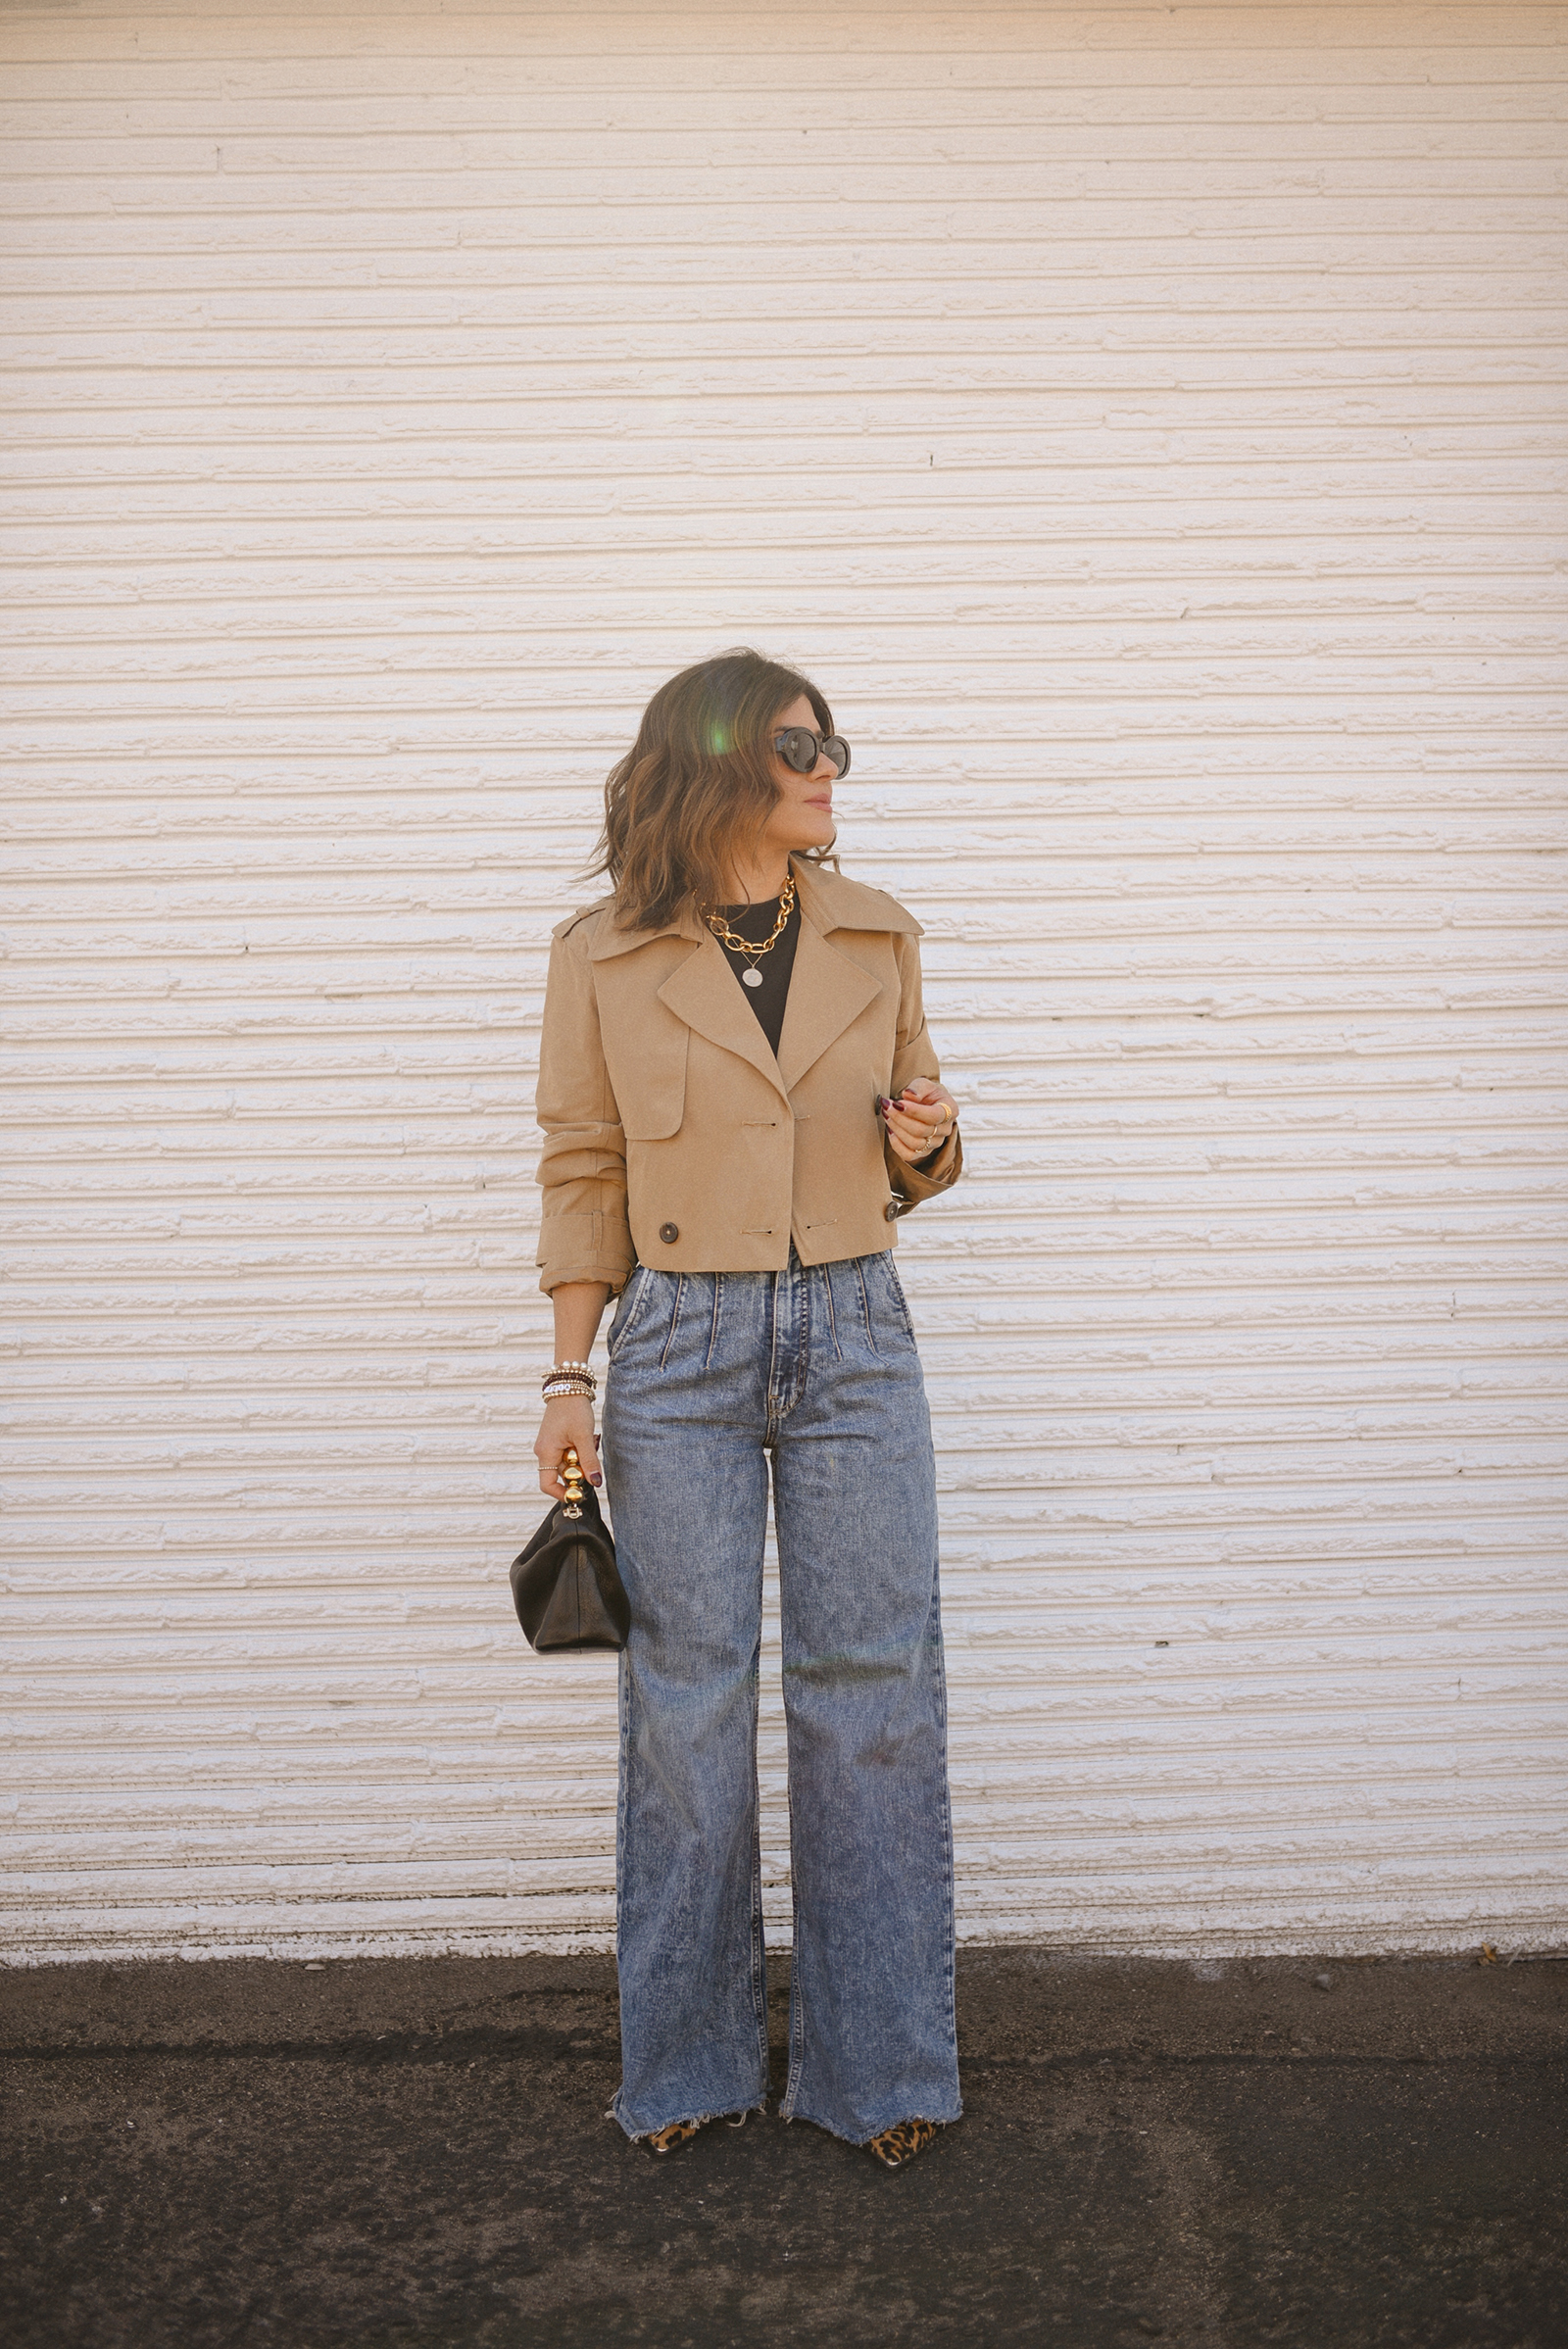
x=747, y=947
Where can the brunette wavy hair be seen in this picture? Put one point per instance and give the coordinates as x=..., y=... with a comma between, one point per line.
x=697, y=785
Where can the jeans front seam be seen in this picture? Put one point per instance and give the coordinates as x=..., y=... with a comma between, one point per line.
x=941, y=1678
x=712, y=1327
x=625, y=1727
x=832, y=1314
x=796, y=2062
x=780, y=1408
x=758, y=1940
x=623, y=1708
x=865, y=1306
x=772, y=1352
x=674, y=1319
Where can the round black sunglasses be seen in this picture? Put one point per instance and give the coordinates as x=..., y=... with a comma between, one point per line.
x=799, y=747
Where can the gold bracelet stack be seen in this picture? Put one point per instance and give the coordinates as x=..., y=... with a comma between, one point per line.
x=569, y=1377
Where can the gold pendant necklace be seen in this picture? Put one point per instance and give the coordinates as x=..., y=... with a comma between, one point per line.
x=747, y=947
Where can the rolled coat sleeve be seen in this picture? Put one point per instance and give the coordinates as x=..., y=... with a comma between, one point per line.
x=914, y=1057
x=584, y=1232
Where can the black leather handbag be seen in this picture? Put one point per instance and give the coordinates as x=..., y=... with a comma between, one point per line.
x=566, y=1586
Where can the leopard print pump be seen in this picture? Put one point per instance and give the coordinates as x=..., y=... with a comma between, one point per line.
x=676, y=2133
x=899, y=2145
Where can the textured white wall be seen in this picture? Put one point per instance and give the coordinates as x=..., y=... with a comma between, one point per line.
x=1145, y=423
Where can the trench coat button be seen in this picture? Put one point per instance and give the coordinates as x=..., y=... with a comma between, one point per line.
x=890, y=1213
x=669, y=1233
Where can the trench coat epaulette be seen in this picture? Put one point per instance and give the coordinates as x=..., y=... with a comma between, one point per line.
x=564, y=929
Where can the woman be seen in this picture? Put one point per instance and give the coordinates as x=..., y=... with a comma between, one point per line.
x=739, y=1100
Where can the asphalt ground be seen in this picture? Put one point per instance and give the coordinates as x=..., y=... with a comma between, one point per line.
x=414, y=2153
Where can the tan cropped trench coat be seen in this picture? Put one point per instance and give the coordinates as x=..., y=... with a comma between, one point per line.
x=673, y=1136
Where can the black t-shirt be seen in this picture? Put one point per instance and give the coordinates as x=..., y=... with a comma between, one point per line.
x=773, y=968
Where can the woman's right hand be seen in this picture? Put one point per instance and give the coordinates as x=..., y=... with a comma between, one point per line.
x=569, y=1419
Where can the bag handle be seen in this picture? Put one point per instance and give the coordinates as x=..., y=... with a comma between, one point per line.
x=571, y=1477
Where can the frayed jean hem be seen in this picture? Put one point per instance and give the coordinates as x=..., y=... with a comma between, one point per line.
x=737, y=2114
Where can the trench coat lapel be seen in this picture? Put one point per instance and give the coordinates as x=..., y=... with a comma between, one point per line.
x=828, y=992
x=703, y=992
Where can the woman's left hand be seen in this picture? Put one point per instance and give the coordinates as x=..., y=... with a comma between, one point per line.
x=921, y=1120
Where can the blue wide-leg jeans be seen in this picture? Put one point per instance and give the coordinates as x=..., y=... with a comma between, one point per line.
x=709, y=1373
